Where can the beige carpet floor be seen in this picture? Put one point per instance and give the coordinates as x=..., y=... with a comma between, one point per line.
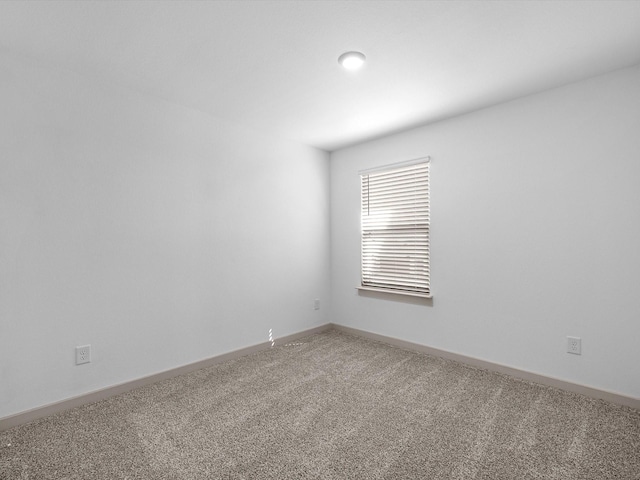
x=332, y=406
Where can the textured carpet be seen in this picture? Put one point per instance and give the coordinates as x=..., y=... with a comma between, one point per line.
x=332, y=406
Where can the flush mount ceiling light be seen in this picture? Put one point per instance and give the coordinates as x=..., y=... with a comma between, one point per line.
x=351, y=60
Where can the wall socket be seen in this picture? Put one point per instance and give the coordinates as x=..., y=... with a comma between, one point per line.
x=83, y=354
x=574, y=345
x=316, y=304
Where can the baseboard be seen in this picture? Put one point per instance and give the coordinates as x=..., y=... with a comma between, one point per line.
x=104, y=393
x=612, y=397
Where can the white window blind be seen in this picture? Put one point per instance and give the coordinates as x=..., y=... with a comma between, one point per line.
x=395, y=229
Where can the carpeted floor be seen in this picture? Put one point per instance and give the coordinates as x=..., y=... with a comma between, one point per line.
x=332, y=406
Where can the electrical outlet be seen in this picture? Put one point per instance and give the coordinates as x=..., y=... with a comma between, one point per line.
x=83, y=354
x=316, y=304
x=574, y=345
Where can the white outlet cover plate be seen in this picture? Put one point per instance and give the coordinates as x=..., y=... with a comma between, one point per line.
x=83, y=354
x=574, y=345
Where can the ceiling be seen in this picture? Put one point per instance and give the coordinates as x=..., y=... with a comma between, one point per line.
x=272, y=65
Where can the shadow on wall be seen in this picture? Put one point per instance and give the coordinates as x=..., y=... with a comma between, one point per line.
x=427, y=302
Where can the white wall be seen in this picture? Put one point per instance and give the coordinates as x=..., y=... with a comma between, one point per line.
x=157, y=234
x=535, y=234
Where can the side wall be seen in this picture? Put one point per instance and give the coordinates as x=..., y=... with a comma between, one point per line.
x=535, y=234
x=157, y=234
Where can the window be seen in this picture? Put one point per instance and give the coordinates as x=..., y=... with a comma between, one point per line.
x=395, y=229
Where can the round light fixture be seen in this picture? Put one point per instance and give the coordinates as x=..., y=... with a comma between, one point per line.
x=351, y=60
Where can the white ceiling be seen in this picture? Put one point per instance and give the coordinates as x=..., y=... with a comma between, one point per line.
x=272, y=65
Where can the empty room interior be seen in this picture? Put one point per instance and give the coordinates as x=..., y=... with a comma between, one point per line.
x=319, y=239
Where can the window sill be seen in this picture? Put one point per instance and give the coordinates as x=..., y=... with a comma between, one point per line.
x=395, y=292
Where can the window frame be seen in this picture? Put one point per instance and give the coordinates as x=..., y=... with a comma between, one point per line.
x=395, y=236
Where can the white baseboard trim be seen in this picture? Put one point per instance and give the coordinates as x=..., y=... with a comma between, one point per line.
x=612, y=397
x=103, y=393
